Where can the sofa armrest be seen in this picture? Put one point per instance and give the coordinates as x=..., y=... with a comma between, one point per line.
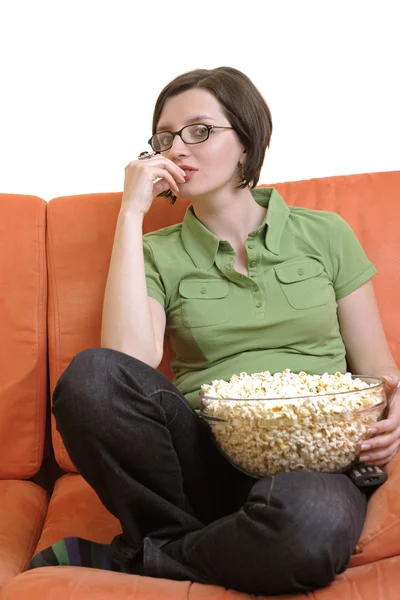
x=380, y=537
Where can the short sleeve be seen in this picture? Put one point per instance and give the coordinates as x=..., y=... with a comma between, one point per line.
x=155, y=287
x=350, y=265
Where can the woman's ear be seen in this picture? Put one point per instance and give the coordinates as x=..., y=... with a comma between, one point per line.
x=243, y=159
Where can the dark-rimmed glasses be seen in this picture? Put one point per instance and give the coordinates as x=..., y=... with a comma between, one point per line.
x=190, y=134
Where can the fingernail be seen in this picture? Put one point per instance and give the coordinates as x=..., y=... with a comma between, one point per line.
x=372, y=430
x=365, y=446
x=364, y=458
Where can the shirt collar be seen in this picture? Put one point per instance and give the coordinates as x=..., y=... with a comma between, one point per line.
x=277, y=216
x=202, y=245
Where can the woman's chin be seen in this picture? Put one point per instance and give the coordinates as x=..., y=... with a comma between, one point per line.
x=185, y=189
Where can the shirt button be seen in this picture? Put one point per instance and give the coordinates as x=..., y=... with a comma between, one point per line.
x=300, y=271
x=258, y=304
x=228, y=267
x=203, y=291
x=253, y=263
x=251, y=246
x=255, y=288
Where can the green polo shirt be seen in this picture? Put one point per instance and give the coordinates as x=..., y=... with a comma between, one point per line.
x=282, y=315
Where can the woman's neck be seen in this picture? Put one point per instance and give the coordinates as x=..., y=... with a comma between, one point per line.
x=230, y=217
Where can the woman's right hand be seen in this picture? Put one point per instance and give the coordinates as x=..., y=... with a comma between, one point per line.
x=145, y=179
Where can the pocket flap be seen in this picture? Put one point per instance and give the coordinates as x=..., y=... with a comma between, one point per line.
x=203, y=289
x=298, y=271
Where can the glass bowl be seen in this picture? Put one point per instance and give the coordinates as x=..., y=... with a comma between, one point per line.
x=265, y=436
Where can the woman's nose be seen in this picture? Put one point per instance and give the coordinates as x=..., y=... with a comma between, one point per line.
x=178, y=147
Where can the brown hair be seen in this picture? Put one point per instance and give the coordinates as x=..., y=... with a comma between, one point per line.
x=243, y=106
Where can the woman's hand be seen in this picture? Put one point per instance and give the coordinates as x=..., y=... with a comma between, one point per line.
x=384, y=444
x=145, y=179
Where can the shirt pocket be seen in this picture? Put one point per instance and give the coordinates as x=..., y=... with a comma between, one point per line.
x=204, y=303
x=303, y=283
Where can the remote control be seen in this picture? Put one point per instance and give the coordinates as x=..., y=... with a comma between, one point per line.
x=367, y=475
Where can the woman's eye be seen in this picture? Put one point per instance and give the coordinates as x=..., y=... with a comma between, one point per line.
x=200, y=130
x=165, y=139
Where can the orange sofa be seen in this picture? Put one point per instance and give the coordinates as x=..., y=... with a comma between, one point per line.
x=53, y=266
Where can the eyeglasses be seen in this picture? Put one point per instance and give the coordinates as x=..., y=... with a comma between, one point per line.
x=190, y=134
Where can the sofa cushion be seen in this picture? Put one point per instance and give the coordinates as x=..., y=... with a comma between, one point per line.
x=381, y=534
x=81, y=233
x=23, y=356
x=75, y=510
x=380, y=580
x=370, y=205
x=80, y=237
x=23, y=507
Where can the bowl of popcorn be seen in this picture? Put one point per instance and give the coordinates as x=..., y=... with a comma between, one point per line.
x=265, y=424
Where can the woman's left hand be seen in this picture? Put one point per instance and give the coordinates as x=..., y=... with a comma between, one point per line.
x=381, y=448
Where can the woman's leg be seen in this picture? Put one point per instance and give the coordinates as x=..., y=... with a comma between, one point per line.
x=295, y=533
x=149, y=457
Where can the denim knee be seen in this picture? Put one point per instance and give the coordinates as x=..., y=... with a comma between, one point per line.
x=294, y=533
x=79, y=392
x=317, y=520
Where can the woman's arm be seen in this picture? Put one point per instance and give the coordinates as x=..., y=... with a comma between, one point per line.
x=368, y=353
x=367, y=349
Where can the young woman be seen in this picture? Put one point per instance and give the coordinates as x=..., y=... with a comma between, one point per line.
x=214, y=284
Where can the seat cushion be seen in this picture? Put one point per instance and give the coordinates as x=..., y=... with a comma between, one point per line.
x=381, y=534
x=80, y=237
x=23, y=507
x=23, y=346
x=75, y=510
x=370, y=582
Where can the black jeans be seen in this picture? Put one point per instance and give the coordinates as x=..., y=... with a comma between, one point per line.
x=186, y=513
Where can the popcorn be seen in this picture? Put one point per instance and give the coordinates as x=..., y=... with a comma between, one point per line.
x=270, y=423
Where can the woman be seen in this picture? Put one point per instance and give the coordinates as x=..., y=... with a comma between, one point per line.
x=213, y=284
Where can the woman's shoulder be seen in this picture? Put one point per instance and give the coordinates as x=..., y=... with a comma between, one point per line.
x=313, y=214
x=316, y=221
x=163, y=235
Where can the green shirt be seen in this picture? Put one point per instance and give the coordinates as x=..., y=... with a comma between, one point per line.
x=282, y=315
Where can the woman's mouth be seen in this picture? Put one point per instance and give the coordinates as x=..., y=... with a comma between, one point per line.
x=189, y=175
x=188, y=171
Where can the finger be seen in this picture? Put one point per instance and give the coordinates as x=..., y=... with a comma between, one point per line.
x=391, y=381
x=178, y=170
x=384, y=426
x=380, y=441
x=160, y=173
x=379, y=459
x=158, y=160
x=394, y=455
x=160, y=187
x=376, y=457
x=379, y=463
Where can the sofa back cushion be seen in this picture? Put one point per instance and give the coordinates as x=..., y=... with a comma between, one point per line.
x=81, y=233
x=23, y=356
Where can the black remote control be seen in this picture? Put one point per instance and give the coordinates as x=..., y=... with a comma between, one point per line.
x=367, y=475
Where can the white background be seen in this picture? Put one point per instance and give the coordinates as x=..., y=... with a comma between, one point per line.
x=79, y=78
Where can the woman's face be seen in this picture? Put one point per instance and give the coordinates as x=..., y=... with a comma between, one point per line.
x=216, y=161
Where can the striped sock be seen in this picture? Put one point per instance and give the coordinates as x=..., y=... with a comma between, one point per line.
x=76, y=552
